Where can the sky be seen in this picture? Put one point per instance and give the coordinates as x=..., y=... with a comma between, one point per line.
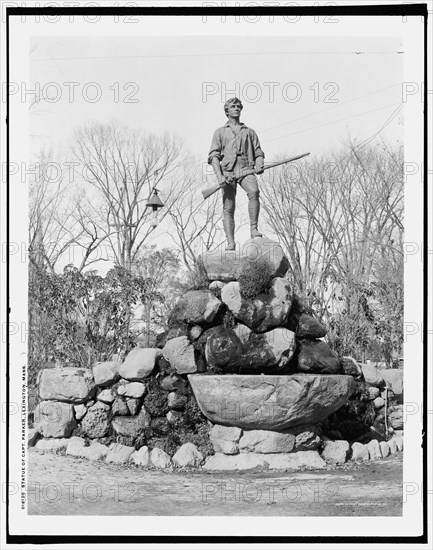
x=301, y=94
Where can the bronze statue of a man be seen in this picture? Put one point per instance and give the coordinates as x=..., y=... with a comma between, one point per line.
x=234, y=145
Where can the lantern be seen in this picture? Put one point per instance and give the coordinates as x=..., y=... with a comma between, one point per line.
x=155, y=203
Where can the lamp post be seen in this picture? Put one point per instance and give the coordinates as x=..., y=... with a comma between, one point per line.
x=155, y=203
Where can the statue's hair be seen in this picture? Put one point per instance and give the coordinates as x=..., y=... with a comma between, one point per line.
x=229, y=102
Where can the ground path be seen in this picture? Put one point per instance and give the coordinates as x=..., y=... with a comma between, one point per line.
x=62, y=485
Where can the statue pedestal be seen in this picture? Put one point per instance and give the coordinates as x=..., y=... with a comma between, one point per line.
x=223, y=265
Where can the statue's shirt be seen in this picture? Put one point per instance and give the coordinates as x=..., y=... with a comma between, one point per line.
x=227, y=145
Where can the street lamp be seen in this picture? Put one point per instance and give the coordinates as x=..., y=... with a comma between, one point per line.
x=154, y=202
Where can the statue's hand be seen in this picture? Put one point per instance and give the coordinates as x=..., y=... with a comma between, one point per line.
x=259, y=168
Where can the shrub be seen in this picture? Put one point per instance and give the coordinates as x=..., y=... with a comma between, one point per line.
x=255, y=277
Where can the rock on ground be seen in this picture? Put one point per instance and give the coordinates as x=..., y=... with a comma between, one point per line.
x=225, y=439
x=384, y=449
x=335, y=452
x=106, y=373
x=52, y=445
x=392, y=446
x=196, y=307
x=270, y=402
x=95, y=451
x=264, y=441
x=54, y=419
x=96, y=423
x=264, y=312
x=374, y=449
x=119, y=454
x=141, y=457
x=187, y=456
x=68, y=384
x=139, y=363
x=160, y=459
x=76, y=446
x=180, y=354
x=399, y=443
x=360, y=452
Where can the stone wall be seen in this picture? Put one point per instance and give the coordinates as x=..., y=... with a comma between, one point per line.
x=328, y=409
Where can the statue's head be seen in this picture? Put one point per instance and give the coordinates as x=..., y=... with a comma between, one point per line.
x=230, y=102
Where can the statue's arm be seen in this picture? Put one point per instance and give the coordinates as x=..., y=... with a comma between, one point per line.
x=215, y=155
x=259, y=155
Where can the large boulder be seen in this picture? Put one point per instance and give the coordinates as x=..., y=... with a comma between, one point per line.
x=309, y=327
x=106, y=373
x=240, y=350
x=180, y=354
x=54, y=419
x=131, y=425
x=223, y=265
x=264, y=312
x=96, y=423
x=196, y=307
x=316, y=356
x=269, y=402
x=139, y=363
x=69, y=384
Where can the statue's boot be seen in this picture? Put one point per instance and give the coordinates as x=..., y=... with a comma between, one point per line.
x=229, y=230
x=253, y=211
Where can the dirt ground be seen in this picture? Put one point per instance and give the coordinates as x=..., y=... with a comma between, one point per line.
x=61, y=485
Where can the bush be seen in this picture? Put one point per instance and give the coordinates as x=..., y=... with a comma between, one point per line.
x=255, y=277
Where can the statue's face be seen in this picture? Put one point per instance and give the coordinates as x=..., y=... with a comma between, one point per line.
x=234, y=109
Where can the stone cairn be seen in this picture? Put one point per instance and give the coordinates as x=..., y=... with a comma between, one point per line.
x=235, y=383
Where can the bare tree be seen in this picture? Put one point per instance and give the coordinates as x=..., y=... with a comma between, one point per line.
x=336, y=218
x=195, y=219
x=123, y=166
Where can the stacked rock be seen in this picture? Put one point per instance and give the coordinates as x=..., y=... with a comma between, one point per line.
x=116, y=408
x=270, y=390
